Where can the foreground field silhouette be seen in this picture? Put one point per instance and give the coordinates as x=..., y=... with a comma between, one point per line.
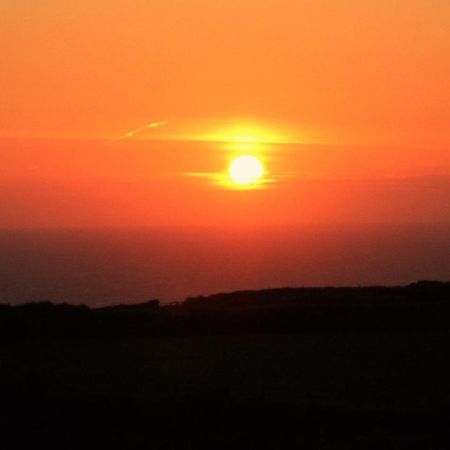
x=423, y=305
x=325, y=368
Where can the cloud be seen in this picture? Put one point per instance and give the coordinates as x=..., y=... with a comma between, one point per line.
x=130, y=134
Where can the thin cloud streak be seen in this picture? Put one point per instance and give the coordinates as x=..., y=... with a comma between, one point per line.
x=130, y=134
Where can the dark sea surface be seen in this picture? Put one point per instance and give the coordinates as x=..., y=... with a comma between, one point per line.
x=107, y=266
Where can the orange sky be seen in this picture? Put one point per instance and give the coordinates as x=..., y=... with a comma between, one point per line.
x=357, y=91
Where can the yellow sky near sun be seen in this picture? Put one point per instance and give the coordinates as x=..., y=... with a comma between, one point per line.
x=77, y=183
x=335, y=71
x=130, y=113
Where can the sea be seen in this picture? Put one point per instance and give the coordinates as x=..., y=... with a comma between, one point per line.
x=100, y=267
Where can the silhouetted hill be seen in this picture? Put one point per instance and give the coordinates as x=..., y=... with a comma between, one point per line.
x=73, y=377
x=425, y=305
x=150, y=305
x=422, y=291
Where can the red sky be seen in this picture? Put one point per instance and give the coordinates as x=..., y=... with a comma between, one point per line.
x=348, y=102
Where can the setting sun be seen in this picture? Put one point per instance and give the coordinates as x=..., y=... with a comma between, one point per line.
x=246, y=170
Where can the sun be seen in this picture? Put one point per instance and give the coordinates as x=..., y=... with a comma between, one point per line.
x=246, y=170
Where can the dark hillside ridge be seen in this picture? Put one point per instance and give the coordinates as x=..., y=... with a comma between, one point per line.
x=422, y=291
x=422, y=305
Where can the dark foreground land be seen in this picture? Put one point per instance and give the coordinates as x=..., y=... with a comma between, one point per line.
x=365, y=368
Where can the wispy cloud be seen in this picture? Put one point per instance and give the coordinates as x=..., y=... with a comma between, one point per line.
x=130, y=134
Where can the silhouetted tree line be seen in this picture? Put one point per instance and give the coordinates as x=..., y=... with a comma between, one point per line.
x=425, y=304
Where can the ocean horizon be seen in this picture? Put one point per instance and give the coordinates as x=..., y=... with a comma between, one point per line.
x=101, y=267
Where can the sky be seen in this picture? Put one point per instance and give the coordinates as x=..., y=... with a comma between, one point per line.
x=116, y=113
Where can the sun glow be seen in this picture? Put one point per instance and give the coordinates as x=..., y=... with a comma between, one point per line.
x=246, y=170
x=246, y=134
